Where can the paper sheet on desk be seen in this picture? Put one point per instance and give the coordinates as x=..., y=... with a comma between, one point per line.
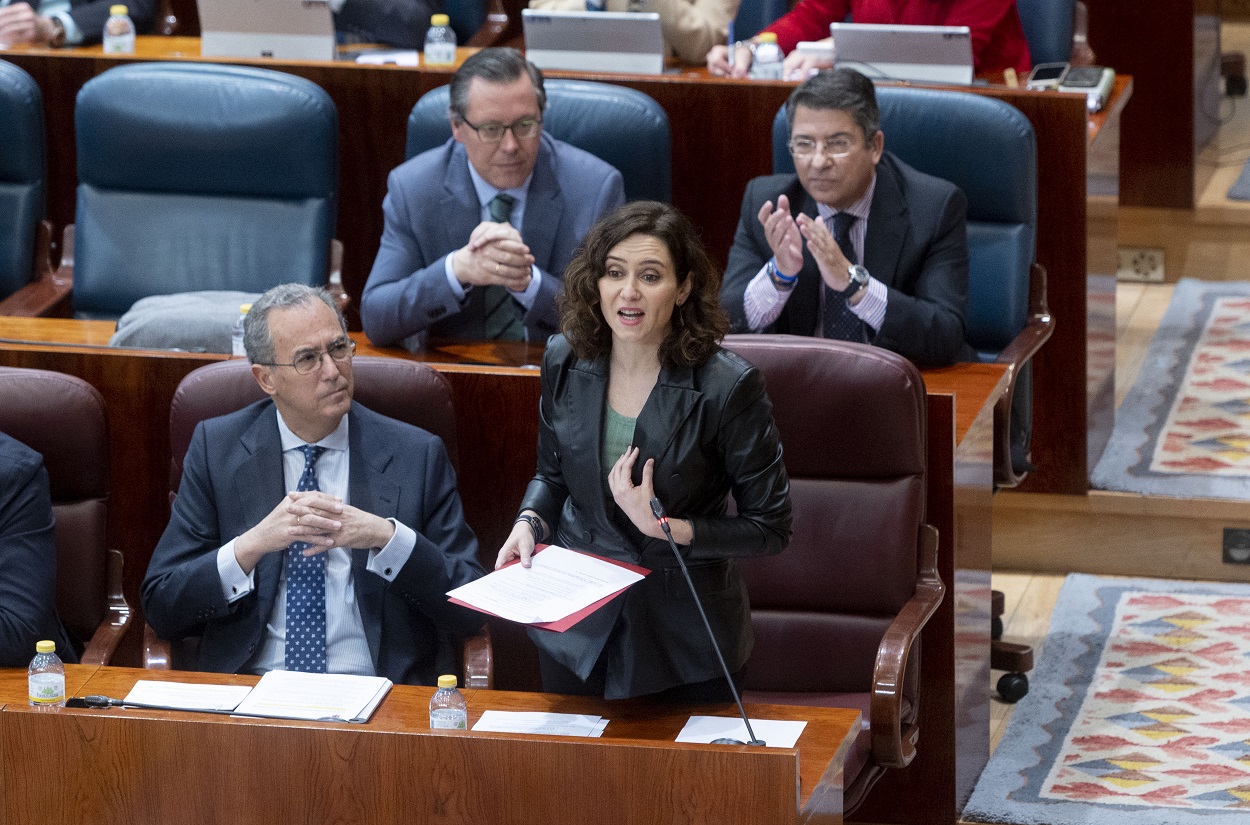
x=181, y=696
x=549, y=724
x=324, y=697
x=560, y=588
x=402, y=58
x=776, y=733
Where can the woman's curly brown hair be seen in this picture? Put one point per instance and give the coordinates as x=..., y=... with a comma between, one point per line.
x=698, y=324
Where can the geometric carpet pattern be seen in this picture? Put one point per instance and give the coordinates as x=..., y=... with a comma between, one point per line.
x=1147, y=720
x=1183, y=429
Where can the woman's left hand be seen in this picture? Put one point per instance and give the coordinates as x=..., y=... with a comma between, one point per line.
x=635, y=500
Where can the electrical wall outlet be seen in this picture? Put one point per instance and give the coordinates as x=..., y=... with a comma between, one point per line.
x=1236, y=546
x=1140, y=263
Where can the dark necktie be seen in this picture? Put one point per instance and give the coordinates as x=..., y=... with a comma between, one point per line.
x=840, y=322
x=502, y=322
x=306, y=590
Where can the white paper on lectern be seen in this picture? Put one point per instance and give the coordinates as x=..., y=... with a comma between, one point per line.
x=776, y=733
x=549, y=724
x=327, y=697
x=183, y=696
x=559, y=583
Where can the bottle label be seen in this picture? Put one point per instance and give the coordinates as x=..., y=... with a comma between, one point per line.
x=440, y=54
x=46, y=688
x=448, y=719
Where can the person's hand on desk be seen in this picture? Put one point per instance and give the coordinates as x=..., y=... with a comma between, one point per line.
x=800, y=65
x=19, y=23
x=494, y=256
x=718, y=60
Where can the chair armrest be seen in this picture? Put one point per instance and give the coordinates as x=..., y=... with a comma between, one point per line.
x=156, y=655
x=334, y=276
x=109, y=634
x=1040, y=326
x=48, y=294
x=893, y=744
x=478, y=658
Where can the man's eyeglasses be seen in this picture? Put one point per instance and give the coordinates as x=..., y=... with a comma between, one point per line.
x=523, y=129
x=838, y=146
x=309, y=361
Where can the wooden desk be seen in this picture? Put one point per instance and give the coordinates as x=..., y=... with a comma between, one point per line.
x=123, y=766
x=712, y=163
x=497, y=421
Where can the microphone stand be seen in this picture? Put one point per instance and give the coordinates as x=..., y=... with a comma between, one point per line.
x=658, y=510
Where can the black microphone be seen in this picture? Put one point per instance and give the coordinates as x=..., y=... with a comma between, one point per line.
x=658, y=509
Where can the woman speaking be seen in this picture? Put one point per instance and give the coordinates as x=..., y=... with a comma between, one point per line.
x=639, y=400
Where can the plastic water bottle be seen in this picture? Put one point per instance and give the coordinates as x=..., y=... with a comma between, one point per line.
x=237, y=350
x=440, y=42
x=119, y=32
x=766, y=57
x=448, y=710
x=46, y=677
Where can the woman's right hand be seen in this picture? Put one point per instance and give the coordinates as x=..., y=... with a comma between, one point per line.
x=718, y=61
x=520, y=545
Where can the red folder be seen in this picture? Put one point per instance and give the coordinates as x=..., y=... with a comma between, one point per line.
x=568, y=621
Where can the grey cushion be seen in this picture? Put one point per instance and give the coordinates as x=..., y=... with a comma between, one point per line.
x=190, y=321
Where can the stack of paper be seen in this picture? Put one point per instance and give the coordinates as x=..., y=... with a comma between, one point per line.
x=550, y=724
x=323, y=697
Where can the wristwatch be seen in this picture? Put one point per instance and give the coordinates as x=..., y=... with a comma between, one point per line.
x=859, y=280
x=58, y=32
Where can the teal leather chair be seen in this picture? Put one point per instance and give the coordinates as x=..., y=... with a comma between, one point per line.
x=23, y=181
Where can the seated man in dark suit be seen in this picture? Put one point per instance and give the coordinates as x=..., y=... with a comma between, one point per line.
x=346, y=574
x=858, y=245
x=66, y=22
x=27, y=558
x=478, y=231
x=401, y=23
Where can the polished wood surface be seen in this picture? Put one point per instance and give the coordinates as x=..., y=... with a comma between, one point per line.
x=395, y=769
x=711, y=166
x=496, y=403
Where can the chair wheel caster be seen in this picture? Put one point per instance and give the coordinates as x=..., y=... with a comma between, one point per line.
x=1013, y=687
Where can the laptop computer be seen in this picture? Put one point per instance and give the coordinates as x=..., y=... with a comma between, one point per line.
x=930, y=54
x=593, y=41
x=284, y=29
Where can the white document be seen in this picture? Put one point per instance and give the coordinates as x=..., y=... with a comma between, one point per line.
x=775, y=733
x=559, y=583
x=402, y=58
x=180, y=696
x=549, y=724
x=323, y=697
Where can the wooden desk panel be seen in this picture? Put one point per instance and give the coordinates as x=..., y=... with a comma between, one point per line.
x=118, y=766
x=711, y=166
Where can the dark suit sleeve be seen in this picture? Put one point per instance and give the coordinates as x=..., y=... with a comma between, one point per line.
x=445, y=555
x=27, y=557
x=407, y=291
x=749, y=252
x=924, y=320
x=401, y=23
x=181, y=590
x=750, y=448
x=90, y=15
x=547, y=491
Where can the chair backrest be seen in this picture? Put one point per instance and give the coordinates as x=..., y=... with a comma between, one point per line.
x=1047, y=28
x=200, y=177
x=620, y=126
x=63, y=418
x=853, y=431
x=987, y=148
x=404, y=390
x=23, y=175
x=754, y=15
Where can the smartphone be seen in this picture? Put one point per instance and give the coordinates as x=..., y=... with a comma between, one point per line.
x=1046, y=75
x=1082, y=77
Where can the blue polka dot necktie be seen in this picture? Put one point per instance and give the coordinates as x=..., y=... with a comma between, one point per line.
x=840, y=322
x=306, y=590
x=501, y=320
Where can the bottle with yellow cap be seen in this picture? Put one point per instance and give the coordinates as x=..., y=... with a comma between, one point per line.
x=440, y=42
x=119, y=31
x=448, y=710
x=46, y=677
x=766, y=57
x=237, y=349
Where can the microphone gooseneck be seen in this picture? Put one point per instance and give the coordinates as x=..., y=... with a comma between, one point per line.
x=657, y=509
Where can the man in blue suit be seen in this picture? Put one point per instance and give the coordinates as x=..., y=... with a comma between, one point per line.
x=479, y=230
x=65, y=22
x=348, y=573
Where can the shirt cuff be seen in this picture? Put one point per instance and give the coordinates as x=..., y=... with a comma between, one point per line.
x=762, y=301
x=527, y=296
x=73, y=34
x=337, y=5
x=457, y=288
x=388, y=561
x=871, y=308
x=235, y=584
